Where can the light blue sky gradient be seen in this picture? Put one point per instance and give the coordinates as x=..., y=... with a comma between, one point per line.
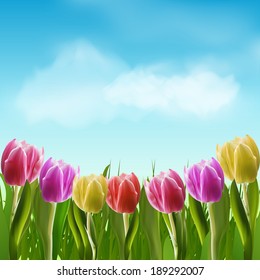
x=130, y=81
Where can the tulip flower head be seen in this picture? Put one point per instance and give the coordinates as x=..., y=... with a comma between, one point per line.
x=205, y=180
x=166, y=192
x=123, y=193
x=89, y=193
x=239, y=159
x=21, y=162
x=56, y=180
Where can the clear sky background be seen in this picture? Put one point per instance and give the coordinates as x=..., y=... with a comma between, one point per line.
x=130, y=81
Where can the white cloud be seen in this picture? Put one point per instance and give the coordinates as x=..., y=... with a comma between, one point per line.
x=84, y=85
x=200, y=93
x=70, y=91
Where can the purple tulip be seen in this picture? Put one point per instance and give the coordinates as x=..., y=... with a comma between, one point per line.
x=165, y=192
x=56, y=180
x=205, y=180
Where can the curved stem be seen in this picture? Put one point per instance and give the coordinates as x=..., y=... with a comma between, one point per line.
x=213, y=243
x=126, y=222
x=49, y=245
x=245, y=199
x=173, y=235
x=92, y=244
x=15, y=202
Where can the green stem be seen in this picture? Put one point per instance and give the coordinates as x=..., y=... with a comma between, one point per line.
x=126, y=222
x=173, y=235
x=49, y=245
x=92, y=244
x=213, y=243
x=15, y=202
x=245, y=199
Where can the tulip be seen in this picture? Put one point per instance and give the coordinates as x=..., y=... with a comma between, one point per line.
x=56, y=180
x=123, y=193
x=239, y=159
x=21, y=162
x=89, y=192
x=205, y=180
x=166, y=192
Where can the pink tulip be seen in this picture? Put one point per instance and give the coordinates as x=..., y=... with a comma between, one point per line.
x=123, y=193
x=21, y=162
x=166, y=192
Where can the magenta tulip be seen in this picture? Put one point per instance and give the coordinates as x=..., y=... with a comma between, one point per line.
x=166, y=192
x=21, y=162
x=123, y=193
x=56, y=180
x=205, y=180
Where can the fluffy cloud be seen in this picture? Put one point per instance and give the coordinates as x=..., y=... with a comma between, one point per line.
x=84, y=85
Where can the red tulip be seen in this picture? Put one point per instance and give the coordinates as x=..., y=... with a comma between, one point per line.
x=123, y=193
x=21, y=162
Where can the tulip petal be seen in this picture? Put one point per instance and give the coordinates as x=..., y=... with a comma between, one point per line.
x=153, y=200
x=192, y=181
x=15, y=170
x=9, y=147
x=245, y=164
x=156, y=190
x=225, y=156
x=68, y=177
x=249, y=141
x=174, y=175
x=47, y=165
x=52, y=185
x=127, y=197
x=211, y=185
x=215, y=164
x=172, y=197
x=94, y=197
x=34, y=162
x=113, y=190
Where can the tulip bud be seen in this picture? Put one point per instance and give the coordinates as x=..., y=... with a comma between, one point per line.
x=123, y=193
x=165, y=192
x=205, y=180
x=239, y=159
x=89, y=193
x=56, y=179
x=21, y=162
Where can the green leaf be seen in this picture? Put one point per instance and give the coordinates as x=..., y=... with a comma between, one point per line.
x=80, y=219
x=107, y=170
x=116, y=222
x=20, y=221
x=253, y=203
x=241, y=220
x=75, y=232
x=131, y=234
x=198, y=218
x=256, y=251
x=8, y=201
x=58, y=226
x=4, y=236
x=205, y=251
x=150, y=222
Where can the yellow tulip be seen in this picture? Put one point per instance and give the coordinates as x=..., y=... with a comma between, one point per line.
x=239, y=159
x=89, y=193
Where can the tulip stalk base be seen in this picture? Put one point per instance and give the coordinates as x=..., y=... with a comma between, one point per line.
x=49, y=245
x=213, y=243
x=173, y=235
x=92, y=244
x=15, y=202
x=126, y=222
x=245, y=199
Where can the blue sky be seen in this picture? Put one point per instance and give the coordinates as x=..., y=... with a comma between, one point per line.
x=130, y=81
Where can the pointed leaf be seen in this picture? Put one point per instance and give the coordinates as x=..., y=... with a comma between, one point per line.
x=131, y=234
x=253, y=203
x=241, y=220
